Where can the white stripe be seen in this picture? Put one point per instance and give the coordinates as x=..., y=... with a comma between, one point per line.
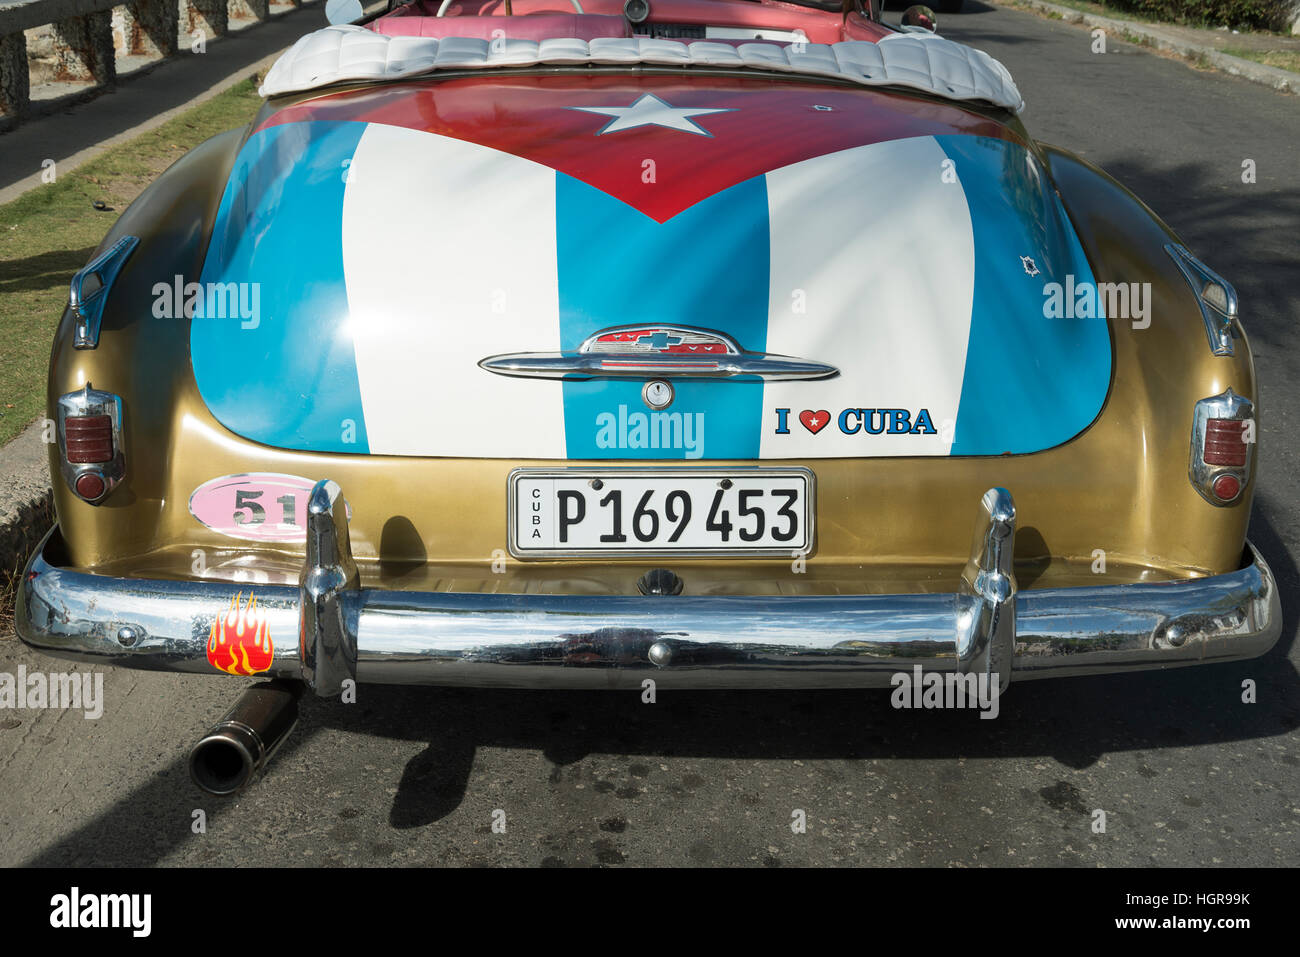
x=449, y=257
x=879, y=252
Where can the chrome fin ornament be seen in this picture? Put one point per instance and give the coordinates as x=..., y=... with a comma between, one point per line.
x=90, y=288
x=1215, y=296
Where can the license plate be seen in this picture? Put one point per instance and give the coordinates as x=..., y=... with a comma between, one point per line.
x=669, y=511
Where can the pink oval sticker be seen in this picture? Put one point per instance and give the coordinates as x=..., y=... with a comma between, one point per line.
x=257, y=506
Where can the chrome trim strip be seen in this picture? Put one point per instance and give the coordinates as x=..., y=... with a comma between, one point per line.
x=1220, y=326
x=589, y=360
x=561, y=641
x=751, y=471
x=88, y=305
x=559, y=365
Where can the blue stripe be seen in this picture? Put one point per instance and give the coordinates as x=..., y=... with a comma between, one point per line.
x=1030, y=383
x=291, y=381
x=707, y=266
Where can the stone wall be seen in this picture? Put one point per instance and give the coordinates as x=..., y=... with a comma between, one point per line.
x=77, y=42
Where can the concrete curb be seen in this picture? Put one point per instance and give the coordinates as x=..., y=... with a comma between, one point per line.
x=26, y=500
x=1283, y=80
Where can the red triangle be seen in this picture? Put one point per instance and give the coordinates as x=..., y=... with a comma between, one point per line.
x=657, y=170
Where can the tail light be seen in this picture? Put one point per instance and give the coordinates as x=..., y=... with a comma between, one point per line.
x=89, y=438
x=90, y=443
x=1223, y=428
x=1225, y=442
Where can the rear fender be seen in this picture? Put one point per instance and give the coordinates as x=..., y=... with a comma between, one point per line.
x=1163, y=366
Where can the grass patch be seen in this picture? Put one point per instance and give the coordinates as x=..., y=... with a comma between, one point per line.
x=1084, y=6
x=48, y=233
x=9, y=600
x=1282, y=59
x=1138, y=16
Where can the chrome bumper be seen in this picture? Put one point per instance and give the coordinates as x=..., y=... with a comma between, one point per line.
x=343, y=631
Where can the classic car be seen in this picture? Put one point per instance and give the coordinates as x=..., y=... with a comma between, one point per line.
x=713, y=343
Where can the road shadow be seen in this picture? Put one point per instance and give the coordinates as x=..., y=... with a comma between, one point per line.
x=1217, y=226
x=153, y=821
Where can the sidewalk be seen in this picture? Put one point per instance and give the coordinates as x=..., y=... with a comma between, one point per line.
x=1202, y=46
x=26, y=502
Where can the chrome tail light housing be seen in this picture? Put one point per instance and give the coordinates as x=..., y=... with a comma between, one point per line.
x=89, y=430
x=1223, y=433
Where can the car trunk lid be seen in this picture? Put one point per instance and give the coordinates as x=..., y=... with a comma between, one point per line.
x=392, y=239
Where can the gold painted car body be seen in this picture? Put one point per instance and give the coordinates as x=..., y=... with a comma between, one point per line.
x=884, y=525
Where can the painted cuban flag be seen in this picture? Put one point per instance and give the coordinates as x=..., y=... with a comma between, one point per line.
x=401, y=235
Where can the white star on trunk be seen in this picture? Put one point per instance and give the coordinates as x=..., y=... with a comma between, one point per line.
x=649, y=110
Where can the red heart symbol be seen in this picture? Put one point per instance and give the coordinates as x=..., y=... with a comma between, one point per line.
x=814, y=422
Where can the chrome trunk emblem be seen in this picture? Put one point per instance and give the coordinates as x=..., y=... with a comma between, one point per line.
x=640, y=350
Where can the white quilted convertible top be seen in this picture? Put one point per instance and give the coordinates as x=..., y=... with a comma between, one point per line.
x=920, y=61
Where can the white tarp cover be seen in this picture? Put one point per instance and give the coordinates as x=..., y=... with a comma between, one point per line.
x=920, y=61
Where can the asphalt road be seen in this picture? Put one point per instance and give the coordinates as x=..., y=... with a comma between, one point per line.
x=1186, y=773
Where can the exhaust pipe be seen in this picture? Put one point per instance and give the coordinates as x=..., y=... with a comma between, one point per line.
x=226, y=759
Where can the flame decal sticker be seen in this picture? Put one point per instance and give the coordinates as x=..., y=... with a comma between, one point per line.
x=240, y=640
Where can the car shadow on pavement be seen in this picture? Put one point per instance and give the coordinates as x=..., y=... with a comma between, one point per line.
x=1075, y=721
x=145, y=827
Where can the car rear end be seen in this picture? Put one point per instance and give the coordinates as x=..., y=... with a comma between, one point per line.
x=569, y=377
